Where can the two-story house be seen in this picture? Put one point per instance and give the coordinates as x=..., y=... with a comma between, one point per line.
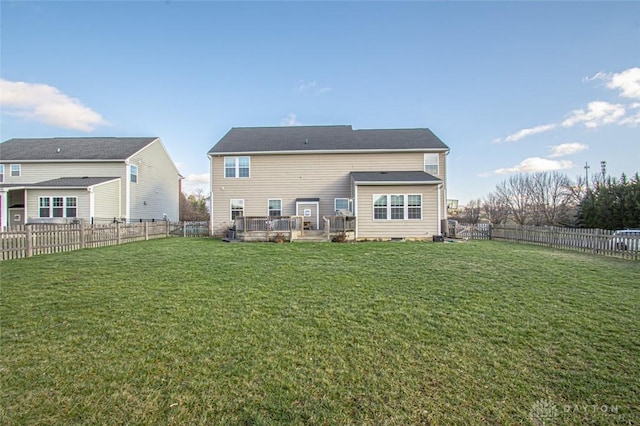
x=392, y=180
x=58, y=180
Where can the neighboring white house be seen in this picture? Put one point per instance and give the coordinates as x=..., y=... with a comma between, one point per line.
x=59, y=180
x=392, y=180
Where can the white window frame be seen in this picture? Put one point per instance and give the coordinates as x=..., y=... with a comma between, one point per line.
x=236, y=167
x=1, y=173
x=432, y=163
x=269, y=209
x=15, y=170
x=133, y=173
x=335, y=204
x=237, y=201
x=392, y=207
x=56, y=202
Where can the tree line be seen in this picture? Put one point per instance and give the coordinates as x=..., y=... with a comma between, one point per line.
x=552, y=198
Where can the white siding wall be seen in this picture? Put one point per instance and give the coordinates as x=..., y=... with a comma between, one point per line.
x=157, y=190
x=369, y=228
x=287, y=177
x=38, y=172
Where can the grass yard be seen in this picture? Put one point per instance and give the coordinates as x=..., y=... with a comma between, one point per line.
x=195, y=331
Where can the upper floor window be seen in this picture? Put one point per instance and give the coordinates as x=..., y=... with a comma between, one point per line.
x=431, y=163
x=133, y=173
x=275, y=207
x=236, y=167
x=1, y=173
x=15, y=170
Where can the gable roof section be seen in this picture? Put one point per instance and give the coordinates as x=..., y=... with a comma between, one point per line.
x=68, y=149
x=72, y=182
x=244, y=140
x=394, y=178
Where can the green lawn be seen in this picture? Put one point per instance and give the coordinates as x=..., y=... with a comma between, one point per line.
x=194, y=331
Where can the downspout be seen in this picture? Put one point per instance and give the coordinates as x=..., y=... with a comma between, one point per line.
x=439, y=209
x=355, y=210
x=92, y=207
x=127, y=190
x=5, y=209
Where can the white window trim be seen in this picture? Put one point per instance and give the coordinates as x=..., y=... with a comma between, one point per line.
x=236, y=163
x=1, y=173
x=405, y=214
x=269, y=210
x=335, y=203
x=19, y=169
x=133, y=167
x=437, y=164
x=51, y=206
x=231, y=207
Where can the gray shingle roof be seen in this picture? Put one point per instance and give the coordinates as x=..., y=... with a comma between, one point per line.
x=409, y=177
x=72, y=182
x=52, y=149
x=324, y=138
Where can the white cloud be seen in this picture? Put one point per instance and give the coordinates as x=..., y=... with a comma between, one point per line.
x=311, y=87
x=291, y=120
x=627, y=82
x=566, y=149
x=597, y=114
x=46, y=104
x=196, y=181
x=536, y=164
x=528, y=132
x=632, y=120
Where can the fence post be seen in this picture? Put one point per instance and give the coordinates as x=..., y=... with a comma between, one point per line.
x=82, y=235
x=595, y=240
x=29, y=243
x=166, y=227
x=118, y=233
x=146, y=231
x=184, y=228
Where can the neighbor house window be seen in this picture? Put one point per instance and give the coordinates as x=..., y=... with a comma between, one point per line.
x=236, y=167
x=58, y=206
x=379, y=206
x=275, y=208
x=431, y=163
x=237, y=208
x=341, y=204
x=1, y=173
x=15, y=170
x=397, y=206
x=133, y=173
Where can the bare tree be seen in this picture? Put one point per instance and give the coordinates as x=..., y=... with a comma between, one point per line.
x=549, y=195
x=472, y=211
x=517, y=194
x=496, y=208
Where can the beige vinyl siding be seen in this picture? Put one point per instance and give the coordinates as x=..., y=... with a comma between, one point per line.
x=413, y=228
x=157, y=191
x=107, y=200
x=32, y=210
x=291, y=176
x=38, y=172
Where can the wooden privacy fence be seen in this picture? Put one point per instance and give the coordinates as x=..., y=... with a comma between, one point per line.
x=597, y=241
x=34, y=239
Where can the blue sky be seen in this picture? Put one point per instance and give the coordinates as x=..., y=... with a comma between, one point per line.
x=509, y=86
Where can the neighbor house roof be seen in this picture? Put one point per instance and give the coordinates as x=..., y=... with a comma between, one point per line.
x=73, y=182
x=394, y=178
x=324, y=138
x=56, y=149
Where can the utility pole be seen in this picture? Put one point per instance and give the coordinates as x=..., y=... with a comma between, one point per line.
x=586, y=174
